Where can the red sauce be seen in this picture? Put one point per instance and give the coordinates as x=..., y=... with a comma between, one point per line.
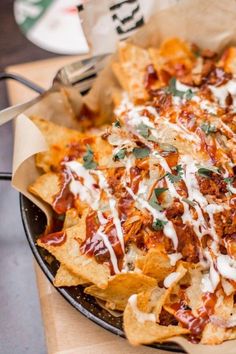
x=64, y=199
x=75, y=150
x=135, y=178
x=124, y=205
x=150, y=76
x=54, y=239
x=210, y=149
x=195, y=324
x=94, y=246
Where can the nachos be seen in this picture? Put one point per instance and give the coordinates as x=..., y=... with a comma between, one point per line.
x=148, y=204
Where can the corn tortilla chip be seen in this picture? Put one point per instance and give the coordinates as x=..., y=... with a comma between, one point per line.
x=120, y=288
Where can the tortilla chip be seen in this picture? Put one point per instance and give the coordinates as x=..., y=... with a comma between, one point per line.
x=161, y=297
x=215, y=333
x=64, y=277
x=120, y=288
x=228, y=60
x=172, y=51
x=59, y=139
x=155, y=264
x=46, y=187
x=131, y=69
x=71, y=218
x=146, y=332
x=68, y=254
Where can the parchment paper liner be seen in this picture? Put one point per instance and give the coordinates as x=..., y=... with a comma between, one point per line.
x=210, y=24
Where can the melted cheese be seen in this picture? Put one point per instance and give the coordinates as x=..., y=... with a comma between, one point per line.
x=140, y=315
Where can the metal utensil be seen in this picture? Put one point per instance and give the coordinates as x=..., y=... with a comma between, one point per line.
x=82, y=73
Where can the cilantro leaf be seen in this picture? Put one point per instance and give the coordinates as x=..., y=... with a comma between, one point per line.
x=120, y=155
x=141, y=153
x=158, y=224
x=189, y=94
x=176, y=178
x=159, y=191
x=89, y=163
x=207, y=171
x=153, y=200
x=117, y=124
x=143, y=130
x=171, y=89
x=229, y=180
x=208, y=128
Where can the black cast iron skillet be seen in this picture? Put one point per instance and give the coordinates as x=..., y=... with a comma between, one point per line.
x=34, y=222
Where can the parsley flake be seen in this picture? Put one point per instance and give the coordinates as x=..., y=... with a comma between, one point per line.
x=208, y=128
x=143, y=130
x=120, y=155
x=176, y=178
x=141, y=153
x=207, y=171
x=117, y=124
x=89, y=163
x=158, y=224
x=171, y=89
x=153, y=200
x=229, y=180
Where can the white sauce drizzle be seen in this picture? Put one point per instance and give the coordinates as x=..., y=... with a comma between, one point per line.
x=140, y=315
x=174, y=258
x=86, y=191
x=110, y=249
x=226, y=266
x=221, y=92
x=170, y=279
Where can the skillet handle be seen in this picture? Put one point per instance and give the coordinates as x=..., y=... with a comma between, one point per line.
x=6, y=176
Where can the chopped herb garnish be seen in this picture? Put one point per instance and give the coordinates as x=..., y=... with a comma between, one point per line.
x=207, y=171
x=188, y=201
x=141, y=153
x=143, y=130
x=208, y=128
x=153, y=200
x=229, y=180
x=154, y=203
x=120, y=155
x=173, y=90
x=117, y=124
x=89, y=163
x=159, y=191
x=189, y=94
x=176, y=178
x=158, y=224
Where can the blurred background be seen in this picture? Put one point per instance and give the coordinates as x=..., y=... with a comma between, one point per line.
x=21, y=329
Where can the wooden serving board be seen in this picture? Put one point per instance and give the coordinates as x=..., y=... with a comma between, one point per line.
x=66, y=330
